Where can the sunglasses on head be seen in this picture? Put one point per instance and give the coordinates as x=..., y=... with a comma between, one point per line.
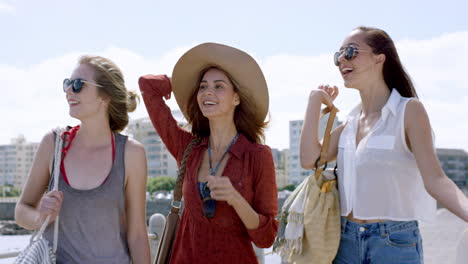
x=76, y=84
x=348, y=52
x=209, y=204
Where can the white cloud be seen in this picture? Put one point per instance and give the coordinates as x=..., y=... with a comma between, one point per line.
x=34, y=102
x=7, y=8
x=437, y=67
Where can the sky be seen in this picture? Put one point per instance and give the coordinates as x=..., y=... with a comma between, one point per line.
x=293, y=41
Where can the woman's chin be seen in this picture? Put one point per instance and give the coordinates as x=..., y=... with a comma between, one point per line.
x=74, y=114
x=347, y=83
x=350, y=85
x=215, y=115
x=210, y=115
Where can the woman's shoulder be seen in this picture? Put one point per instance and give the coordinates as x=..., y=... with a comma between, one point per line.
x=135, y=155
x=134, y=147
x=260, y=149
x=414, y=104
x=414, y=110
x=48, y=140
x=47, y=146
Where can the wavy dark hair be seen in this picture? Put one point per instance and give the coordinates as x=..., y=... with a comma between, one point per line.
x=395, y=75
x=247, y=118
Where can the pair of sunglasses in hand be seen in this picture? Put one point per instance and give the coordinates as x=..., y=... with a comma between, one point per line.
x=209, y=204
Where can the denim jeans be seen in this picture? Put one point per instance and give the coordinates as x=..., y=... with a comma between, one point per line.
x=387, y=242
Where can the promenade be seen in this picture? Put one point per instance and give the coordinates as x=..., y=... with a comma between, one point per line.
x=441, y=240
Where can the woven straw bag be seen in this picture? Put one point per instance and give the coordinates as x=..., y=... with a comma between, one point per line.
x=322, y=227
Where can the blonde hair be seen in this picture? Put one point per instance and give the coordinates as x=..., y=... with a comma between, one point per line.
x=110, y=77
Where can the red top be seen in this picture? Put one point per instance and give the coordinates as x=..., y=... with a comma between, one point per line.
x=71, y=135
x=223, y=238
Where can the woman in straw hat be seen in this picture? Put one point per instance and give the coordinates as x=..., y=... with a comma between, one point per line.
x=388, y=170
x=229, y=186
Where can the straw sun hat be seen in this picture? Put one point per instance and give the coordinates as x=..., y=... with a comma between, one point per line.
x=239, y=65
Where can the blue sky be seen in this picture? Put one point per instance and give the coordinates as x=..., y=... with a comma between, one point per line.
x=36, y=30
x=293, y=42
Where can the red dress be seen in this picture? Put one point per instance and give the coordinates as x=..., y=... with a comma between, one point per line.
x=223, y=238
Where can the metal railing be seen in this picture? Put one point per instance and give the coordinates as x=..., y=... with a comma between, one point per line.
x=155, y=229
x=157, y=222
x=9, y=254
x=9, y=199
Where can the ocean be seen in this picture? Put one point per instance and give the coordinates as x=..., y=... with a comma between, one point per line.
x=12, y=243
x=441, y=241
x=17, y=243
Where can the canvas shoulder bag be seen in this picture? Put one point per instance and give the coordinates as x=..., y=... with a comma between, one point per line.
x=322, y=218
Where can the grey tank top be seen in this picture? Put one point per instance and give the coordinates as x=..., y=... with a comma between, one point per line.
x=92, y=225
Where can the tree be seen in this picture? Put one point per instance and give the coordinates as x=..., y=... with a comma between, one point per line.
x=9, y=191
x=289, y=187
x=160, y=183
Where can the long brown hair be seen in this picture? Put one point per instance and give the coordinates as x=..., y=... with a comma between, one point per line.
x=246, y=117
x=395, y=75
x=110, y=77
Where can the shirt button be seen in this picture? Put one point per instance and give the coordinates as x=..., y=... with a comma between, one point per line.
x=362, y=229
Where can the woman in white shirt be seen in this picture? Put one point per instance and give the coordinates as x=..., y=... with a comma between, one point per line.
x=388, y=172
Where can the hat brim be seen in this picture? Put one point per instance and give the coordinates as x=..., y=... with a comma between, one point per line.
x=239, y=65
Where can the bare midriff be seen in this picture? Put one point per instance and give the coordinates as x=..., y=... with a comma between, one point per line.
x=350, y=217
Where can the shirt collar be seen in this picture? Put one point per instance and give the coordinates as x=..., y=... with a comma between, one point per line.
x=389, y=107
x=393, y=101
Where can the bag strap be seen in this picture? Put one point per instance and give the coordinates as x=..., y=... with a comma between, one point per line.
x=56, y=175
x=176, y=201
x=57, y=162
x=322, y=160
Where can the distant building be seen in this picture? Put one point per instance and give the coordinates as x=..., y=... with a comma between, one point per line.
x=454, y=162
x=16, y=161
x=296, y=172
x=280, y=158
x=160, y=161
x=281, y=178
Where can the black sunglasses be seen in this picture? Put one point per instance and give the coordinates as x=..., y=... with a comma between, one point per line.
x=349, y=53
x=209, y=204
x=76, y=84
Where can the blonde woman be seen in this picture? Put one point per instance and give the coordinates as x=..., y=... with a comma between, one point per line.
x=101, y=197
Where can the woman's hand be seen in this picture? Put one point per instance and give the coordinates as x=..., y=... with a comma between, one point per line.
x=325, y=94
x=222, y=190
x=157, y=84
x=168, y=96
x=50, y=204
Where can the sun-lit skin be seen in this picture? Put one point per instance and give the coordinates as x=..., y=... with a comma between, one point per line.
x=87, y=102
x=364, y=68
x=216, y=97
x=87, y=164
x=218, y=101
x=364, y=72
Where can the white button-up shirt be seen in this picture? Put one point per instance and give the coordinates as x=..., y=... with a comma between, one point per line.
x=379, y=178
